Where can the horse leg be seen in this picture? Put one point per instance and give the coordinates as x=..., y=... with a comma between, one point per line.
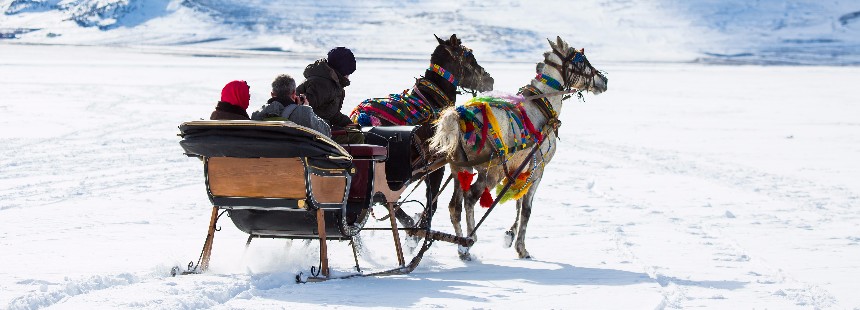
x=470, y=198
x=524, y=213
x=455, y=208
x=509, y=235
x=434, y=183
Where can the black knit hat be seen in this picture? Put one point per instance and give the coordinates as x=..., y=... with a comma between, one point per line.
x=341, y=60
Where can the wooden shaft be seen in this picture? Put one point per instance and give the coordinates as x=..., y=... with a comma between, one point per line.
x=355, y=253
x=507, y=186
x=323, y=247
x=210, y=236
x=395, y=234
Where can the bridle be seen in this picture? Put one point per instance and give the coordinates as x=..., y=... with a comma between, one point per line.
x=567, y=75
x=565, y=88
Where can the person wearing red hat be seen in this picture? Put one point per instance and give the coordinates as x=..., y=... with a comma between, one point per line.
x=324, y=85
x=235, y=98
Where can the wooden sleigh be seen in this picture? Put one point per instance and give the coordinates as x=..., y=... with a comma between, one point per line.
x=282, y=180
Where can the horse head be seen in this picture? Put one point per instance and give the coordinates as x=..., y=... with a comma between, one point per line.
x=573, y=68
x=457, y=59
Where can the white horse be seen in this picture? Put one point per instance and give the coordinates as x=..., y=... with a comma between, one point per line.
x=497, y=152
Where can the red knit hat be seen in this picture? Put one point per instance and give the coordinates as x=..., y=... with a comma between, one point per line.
x=237, y=93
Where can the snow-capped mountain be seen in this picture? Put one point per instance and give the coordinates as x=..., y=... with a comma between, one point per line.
x=794, y=32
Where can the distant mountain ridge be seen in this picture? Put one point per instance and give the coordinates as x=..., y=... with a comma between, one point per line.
x=722, y=31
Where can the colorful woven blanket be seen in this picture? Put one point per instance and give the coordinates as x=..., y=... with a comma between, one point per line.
x=397, y=109
x=479, y=123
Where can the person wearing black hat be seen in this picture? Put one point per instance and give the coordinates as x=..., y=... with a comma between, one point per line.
x=324, y=84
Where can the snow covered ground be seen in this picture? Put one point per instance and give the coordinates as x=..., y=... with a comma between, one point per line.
x=683, y=186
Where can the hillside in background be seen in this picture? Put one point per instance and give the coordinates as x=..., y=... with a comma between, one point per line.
x=743, y=31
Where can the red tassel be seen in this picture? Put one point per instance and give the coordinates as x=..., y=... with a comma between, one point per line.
x=486, y=198
x=465, y=178
x=528, y=123
x=484, y=129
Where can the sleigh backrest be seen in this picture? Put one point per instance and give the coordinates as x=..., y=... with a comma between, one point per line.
x=268, y=165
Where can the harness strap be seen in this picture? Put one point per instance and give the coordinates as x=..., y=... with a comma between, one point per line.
x=436, y=90
x=490, y=156
x=541, y=102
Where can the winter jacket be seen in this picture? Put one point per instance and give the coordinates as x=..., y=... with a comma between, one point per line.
x=323, y=87
x=226, y=111
x=235, y=97
x=275, y=110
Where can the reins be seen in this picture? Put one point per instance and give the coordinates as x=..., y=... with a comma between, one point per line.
x=555, y=93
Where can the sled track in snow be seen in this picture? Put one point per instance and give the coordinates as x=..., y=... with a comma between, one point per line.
x=837, y=200
x=153, y=291
x=54, y=169
x=707, y=236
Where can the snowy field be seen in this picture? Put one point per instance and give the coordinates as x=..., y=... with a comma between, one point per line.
x=683, y=186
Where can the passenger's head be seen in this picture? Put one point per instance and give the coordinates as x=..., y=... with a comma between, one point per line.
x=284, y=86
x=237, y=93
x=341, y=60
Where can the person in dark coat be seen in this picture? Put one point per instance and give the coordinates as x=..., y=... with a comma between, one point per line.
x=235, y=98
x=285, y=105
x=324, y=85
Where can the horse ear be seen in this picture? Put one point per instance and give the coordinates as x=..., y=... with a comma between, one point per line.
x=561, y=44
x=440, y=40
x=552, y=45
x=454, y=41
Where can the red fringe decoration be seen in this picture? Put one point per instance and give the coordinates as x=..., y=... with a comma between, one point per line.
x=486, y=199
x=484, y=128
x=465, y=178
x=528, y=123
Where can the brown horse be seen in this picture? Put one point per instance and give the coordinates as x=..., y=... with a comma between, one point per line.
x=452, y=65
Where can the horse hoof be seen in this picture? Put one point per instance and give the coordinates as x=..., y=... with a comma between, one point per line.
x=524, y=255
x=464, y=254
x=509, y=238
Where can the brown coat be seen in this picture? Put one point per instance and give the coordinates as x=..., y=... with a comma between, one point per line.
x=323, y=87
x=227, y=111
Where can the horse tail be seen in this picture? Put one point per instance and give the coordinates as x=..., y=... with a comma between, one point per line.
x=447, y=132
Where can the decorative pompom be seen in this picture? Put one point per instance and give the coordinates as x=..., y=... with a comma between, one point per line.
x=465, y=178
x=516, y=190
x=486, y=198
x=375, y=121
x=364, y=119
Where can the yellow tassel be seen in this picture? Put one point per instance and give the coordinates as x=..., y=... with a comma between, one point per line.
x=517, y=190
x=496, y=128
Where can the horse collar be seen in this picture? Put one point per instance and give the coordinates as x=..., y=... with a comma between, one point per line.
x=545, y=108
x=549, y=81
x=444, y=74
x=441, y=94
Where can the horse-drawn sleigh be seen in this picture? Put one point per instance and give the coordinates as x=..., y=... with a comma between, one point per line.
x=282, y=180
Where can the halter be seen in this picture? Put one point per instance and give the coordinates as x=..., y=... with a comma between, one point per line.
x=573, y=57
